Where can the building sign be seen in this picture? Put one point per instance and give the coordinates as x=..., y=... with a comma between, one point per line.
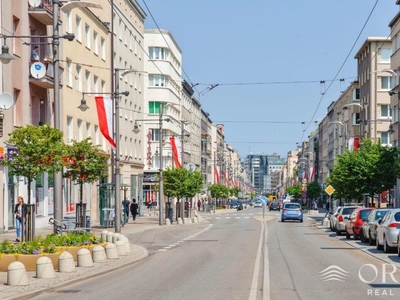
x=151, y=177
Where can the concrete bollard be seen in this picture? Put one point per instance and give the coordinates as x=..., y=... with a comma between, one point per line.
x=66, y=263
x=104, y=235
x=326, y=222
x=84, y=259
x=115, y=237
x=180, y=221
x=127, y=244
x=99, y=254
x=167, y=222
x=109, y=236
x=194, y=220
x=121, y=248
x=44, y=268
x=111, y=251
x=185, y=221
x=199, y=218
x=16, y=274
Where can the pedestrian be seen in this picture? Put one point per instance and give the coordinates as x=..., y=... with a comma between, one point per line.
x=149, y=206
x=134, y=209
x=198, y=205
x=35, y=54
x=315, y=205
x=125, y=205
x=20, y=212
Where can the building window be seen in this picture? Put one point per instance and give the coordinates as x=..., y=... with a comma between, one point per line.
x=356, y=95
x=386, y=111
x=87, y=76
x=78, y=78
x=386, y=83
x=78, y=35
x=385, y=138
x=154, y=107
x=96, y=135
x=158, y=53
x=103, y=48
x=356, y=119
x=69, y=73
x=157, y=80
x=80, y=131
x=88, y=130
x=69, y=21
x=385, y=55
x=95, y=84
x=95, y=43
x=87, y=36
x=103, y=86
x=70, y=130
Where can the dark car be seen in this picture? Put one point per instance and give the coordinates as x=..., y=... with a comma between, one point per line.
x=274, y=206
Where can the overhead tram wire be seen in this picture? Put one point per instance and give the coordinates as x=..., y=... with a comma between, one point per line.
x=340, y=69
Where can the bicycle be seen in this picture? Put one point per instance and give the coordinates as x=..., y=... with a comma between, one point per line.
x=60, y=227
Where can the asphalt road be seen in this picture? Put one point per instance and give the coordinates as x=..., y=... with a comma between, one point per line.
x=243, y=256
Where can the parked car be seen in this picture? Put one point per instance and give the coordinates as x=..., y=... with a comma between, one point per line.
x=343, y=214
x=291, y=211
x=274, y=206
x=356, y=221
x=333, y=218
x=387, y=231
x=370, y=226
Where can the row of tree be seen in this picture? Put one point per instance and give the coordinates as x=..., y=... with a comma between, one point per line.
x=34, y=150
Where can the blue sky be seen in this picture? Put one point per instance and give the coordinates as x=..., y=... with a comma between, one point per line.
x=268, y=57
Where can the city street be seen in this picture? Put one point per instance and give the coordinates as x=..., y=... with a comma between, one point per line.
x=224, y=259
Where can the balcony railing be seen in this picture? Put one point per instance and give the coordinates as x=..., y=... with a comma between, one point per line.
x=43, y=12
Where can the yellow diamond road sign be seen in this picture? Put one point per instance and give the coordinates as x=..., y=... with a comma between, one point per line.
x=329, y=190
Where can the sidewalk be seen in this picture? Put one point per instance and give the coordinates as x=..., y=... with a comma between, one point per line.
x=36, y=286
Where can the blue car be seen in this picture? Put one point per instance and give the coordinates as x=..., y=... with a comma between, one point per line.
x=292, y=211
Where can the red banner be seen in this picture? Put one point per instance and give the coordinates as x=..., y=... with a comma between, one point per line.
x=175, y=153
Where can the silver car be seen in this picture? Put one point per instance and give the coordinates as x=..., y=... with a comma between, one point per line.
x=387, y=231
x=342, y=217
x=371, y=224
x=332, y=218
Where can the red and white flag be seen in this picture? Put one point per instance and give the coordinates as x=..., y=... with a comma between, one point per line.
x=217, y=178
x=105, y=114
x=311, y=174
x=177, y=161
x=225, y=178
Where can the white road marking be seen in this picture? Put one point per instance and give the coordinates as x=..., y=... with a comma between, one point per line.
x=254, y=283
x=266, y=286
x=247, y=217
x=218, y=218
x=162, y=250
x=238, y=217
x=227, y=217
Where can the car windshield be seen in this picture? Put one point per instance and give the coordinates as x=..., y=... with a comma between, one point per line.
x=380, y=214
x=364, y=214
x=348, y=210
x=292, y=205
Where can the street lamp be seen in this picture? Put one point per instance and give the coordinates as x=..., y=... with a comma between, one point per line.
x=136, y=130
x=116, y=97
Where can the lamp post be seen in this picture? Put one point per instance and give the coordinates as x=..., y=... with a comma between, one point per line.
x=160, y=177
x=116, y=97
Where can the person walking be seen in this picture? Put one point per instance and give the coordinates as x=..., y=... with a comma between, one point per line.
x=134, y=209
x=125, y=204
x=149, y=206
x=198, y=205
x=20, y=212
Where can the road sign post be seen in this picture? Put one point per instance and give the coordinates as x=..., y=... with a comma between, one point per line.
x=330, y=190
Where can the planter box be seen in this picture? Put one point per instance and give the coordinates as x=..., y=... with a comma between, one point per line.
x=29, y=260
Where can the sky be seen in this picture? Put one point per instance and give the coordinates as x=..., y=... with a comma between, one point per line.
x=268, y=58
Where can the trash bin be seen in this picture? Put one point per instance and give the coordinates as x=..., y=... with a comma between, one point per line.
x=69, y=222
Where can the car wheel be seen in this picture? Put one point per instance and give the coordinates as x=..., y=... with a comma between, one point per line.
x=371, y=241
x=301, y=221
x=362, y=236
x=378, y=247
x=338, y=232
x=347, y=235
x=282, y=220
x=386, y=247
x=355, y=235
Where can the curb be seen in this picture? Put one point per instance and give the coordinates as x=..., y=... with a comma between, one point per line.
x=143, y=253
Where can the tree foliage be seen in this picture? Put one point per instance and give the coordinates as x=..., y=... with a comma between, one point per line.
x=313, y=190
x=180, y=182
x=219, y=191
x=37, y=150
x=294, y=191
x=370, y=170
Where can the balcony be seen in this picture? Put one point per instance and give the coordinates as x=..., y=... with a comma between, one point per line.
x=46, y=82
x=43, y=12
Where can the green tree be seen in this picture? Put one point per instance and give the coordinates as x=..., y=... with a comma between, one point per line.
x=294, y=191
x=313, y=190
x=234, y=192
x=85, y=163
x=218, y=191
x=37, y=150
x=180, y=182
